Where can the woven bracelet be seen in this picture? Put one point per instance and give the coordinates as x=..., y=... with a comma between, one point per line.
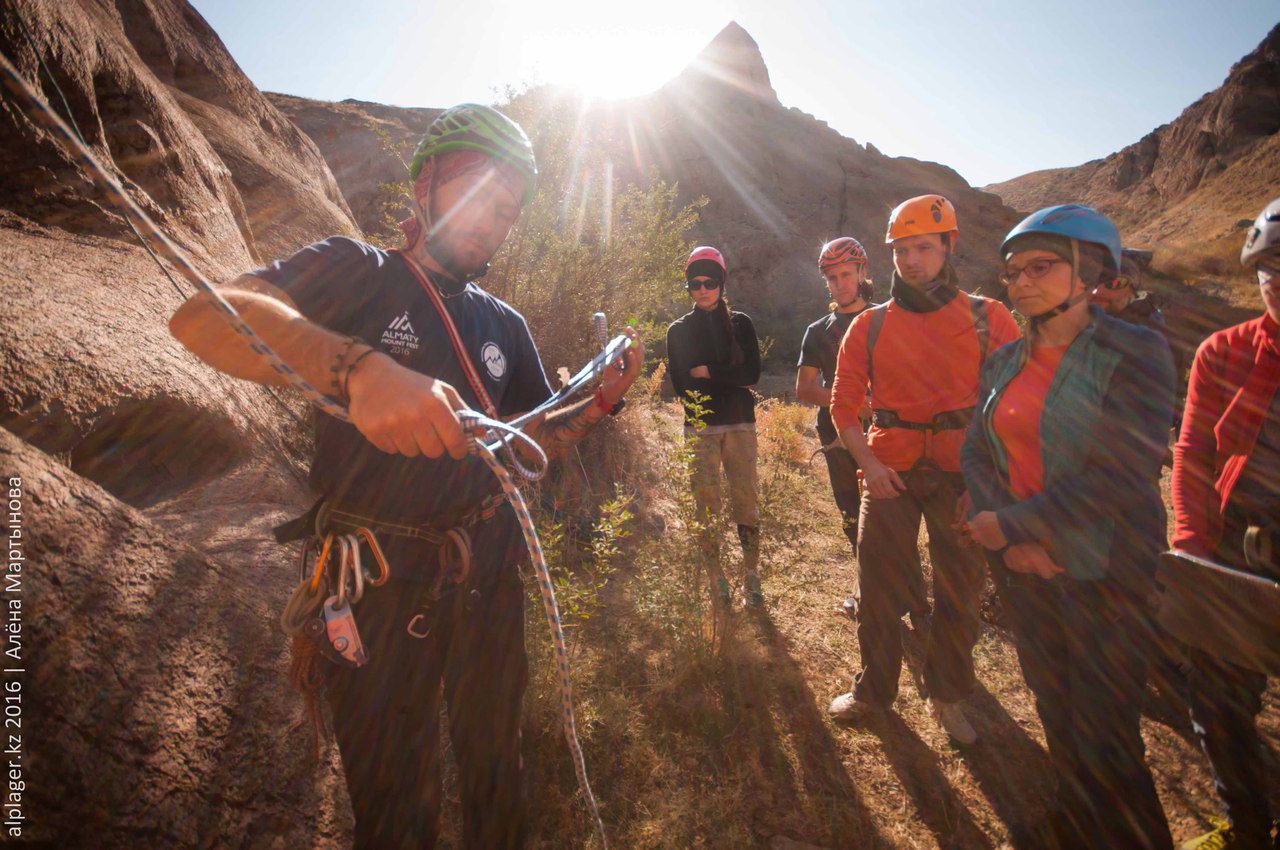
x=335, y=370
x=351, y=367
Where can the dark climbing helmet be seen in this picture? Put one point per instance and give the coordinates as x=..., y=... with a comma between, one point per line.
x=471, y=126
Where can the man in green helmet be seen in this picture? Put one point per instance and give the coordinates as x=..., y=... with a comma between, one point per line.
x=367, y=326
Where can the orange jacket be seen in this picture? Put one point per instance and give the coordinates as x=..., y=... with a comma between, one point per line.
x=924, y=364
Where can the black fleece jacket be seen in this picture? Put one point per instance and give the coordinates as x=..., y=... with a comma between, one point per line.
x=698, y=338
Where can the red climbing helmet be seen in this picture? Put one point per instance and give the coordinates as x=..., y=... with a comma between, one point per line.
x=837, y=252
x=706, y=261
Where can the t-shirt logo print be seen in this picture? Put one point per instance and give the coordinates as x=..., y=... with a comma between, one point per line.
x=399, y=337
x=494, y=360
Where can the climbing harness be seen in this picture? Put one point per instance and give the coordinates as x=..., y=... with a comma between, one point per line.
x=482, y=429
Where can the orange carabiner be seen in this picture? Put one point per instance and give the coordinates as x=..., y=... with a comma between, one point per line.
x=324, y=557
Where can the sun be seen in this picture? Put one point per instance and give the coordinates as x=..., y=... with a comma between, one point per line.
x=608, y=63
x=610, y=50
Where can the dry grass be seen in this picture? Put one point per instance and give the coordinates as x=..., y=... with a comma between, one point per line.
x=700, y=733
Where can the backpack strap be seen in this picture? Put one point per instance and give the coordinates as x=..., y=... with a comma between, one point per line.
x=878, y=314
x=978, y=306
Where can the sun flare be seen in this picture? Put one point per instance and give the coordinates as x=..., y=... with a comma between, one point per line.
x=618, y=63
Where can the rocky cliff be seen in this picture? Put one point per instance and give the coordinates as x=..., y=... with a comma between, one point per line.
x=154, y=693
x=1184, y=188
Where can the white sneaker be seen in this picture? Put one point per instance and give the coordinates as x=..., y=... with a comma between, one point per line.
x=846, y=709
x=951, y=717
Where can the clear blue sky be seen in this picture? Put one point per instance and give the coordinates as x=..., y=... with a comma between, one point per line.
x=993, y=88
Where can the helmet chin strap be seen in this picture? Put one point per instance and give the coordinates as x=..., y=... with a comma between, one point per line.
x=1072, y=300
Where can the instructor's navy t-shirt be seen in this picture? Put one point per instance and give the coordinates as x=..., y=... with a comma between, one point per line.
x=356, y=289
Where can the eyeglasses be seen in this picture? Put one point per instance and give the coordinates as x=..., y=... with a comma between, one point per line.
x=1119, y=283
x=1034, y=270
x=695, y=285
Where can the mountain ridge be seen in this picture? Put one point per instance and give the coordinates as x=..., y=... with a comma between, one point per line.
x=1184, y=187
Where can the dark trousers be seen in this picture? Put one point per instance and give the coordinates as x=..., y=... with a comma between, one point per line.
x=889, y=568
x=1084, y=649
x=1225, y=700
x=842, y=469
x=386, y=714
x=843, y=472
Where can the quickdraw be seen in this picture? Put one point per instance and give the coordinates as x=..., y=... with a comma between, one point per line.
x=482, y=429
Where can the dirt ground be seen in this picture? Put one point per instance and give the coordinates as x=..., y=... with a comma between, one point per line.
x=732, y=747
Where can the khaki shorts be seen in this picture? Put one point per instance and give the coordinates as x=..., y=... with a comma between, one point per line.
x=736, y=452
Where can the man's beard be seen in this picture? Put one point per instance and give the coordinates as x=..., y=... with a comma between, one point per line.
x=441, y=247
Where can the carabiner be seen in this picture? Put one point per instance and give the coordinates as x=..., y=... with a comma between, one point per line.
x=320, y=564
x=384, y=570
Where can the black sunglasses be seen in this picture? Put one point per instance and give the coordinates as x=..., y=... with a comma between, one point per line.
x=695, y=285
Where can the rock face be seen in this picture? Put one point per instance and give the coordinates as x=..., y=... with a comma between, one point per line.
x=1187, y=183
x=156, y=699
x=362, y=144
x=779, y=182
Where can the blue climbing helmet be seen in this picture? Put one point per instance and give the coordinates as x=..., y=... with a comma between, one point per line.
x=1078, y=225
x=1074, y=221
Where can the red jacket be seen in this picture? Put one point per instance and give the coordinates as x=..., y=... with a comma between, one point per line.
x=1234, y=377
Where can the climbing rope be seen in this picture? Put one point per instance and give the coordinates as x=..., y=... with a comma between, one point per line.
x=480, y=428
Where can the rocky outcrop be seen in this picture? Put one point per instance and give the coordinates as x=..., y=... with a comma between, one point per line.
x=367, y=146
x=1186, y=184
x=155, y=712
x=154, y=680
x=158, y=98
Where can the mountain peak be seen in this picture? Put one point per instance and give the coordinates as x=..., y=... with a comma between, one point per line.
x=732, y=58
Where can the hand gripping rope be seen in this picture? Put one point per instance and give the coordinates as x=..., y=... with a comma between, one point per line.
x=480, y=428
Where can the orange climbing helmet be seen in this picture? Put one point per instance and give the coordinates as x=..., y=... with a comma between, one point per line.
x=920, y=215
x=837, y=252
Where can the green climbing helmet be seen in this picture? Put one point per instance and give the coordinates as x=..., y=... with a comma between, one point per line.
x=471, y=126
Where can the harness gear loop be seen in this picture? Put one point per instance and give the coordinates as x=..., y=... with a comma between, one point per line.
x=462, y=545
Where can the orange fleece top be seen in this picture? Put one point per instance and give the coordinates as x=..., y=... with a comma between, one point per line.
x=925, y=364
x=1017, y=419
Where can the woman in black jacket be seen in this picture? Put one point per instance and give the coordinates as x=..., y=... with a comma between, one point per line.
x=713, y=359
